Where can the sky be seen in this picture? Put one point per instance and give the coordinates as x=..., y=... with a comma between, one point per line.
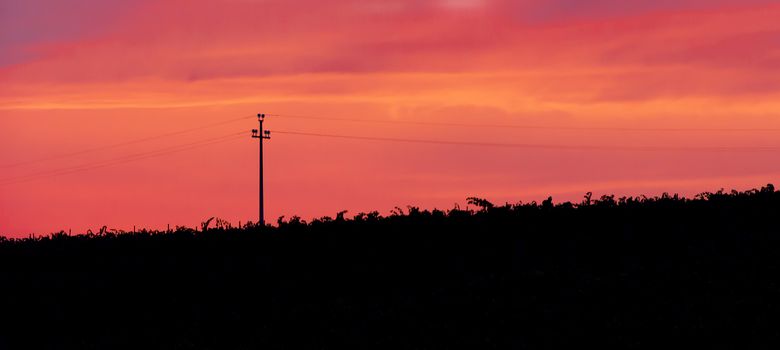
x=138, y=113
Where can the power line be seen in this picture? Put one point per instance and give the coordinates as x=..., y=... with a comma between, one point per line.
x=543, y=146
x=530, y=127
x=120, y=144
x=513, y=126
x=229, y=137
x=121, y=160
x=116, y=161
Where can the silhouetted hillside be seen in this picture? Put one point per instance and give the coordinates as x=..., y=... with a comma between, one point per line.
x=627, y=272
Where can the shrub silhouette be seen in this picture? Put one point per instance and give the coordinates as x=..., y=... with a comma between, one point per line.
x=633, y=272
x=484, y=204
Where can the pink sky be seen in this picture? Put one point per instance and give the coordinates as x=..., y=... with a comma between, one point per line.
x=91, y=73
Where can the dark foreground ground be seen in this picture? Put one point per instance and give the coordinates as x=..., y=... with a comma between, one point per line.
x=630, y=273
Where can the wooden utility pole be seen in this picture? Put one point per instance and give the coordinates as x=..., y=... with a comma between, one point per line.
x=261, y=135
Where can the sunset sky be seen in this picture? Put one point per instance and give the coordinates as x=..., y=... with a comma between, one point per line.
x=609, y=96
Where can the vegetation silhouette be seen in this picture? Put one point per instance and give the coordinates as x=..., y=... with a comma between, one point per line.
x=634, y=272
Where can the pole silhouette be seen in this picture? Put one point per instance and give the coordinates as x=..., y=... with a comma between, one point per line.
x=261, y=134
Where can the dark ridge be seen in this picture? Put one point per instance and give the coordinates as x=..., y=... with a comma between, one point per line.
x=616, y=272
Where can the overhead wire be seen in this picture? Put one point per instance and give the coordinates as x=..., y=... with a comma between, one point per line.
x=122, y=160
x=229, y=137
x=519, y=126
x=539, y=146
x=121, y=144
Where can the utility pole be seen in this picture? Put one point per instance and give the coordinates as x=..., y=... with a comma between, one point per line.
x=261, y=134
